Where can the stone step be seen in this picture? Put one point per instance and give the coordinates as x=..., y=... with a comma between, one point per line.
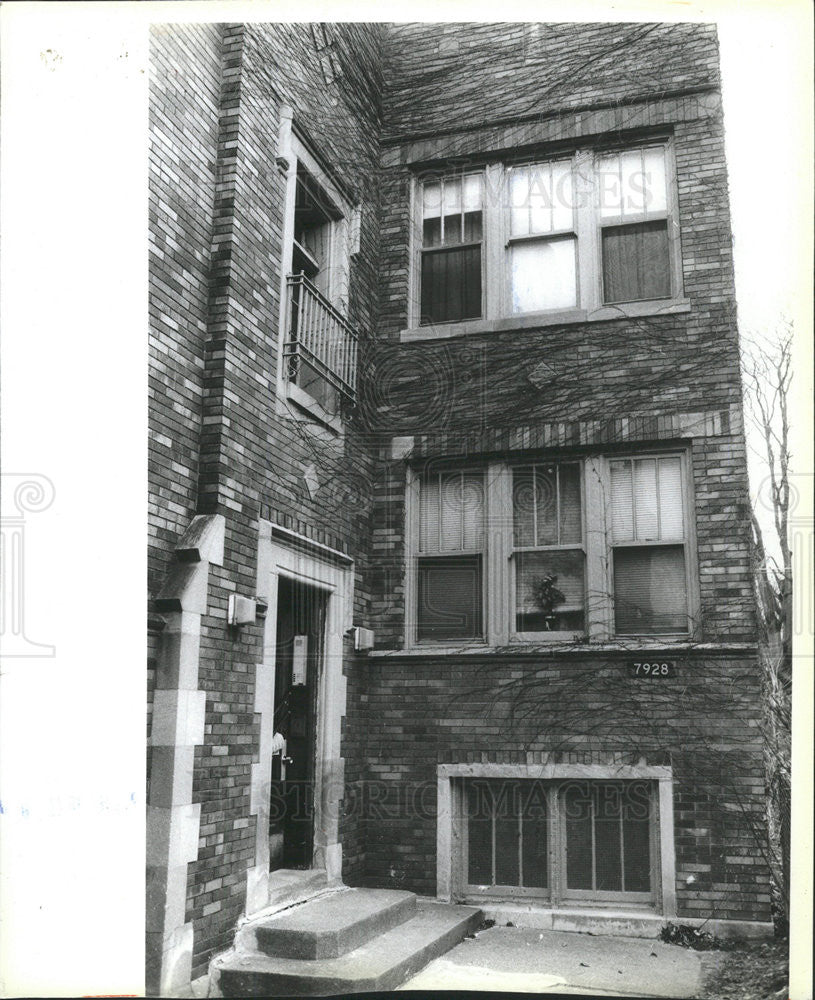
x=382, y=963
x=288, y=886
x=333, y=925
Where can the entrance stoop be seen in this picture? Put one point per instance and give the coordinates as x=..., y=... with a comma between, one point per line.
x=351, y=941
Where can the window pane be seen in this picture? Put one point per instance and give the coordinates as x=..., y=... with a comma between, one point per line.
x=649, y=590
x=519, y=201
x=538, y=609
x=562, y=196
x=656, y=191
x=431, y=214
x=523, y=506
x=540, y=199
x=449, y=598
x=577, y=808
x=571, y=523
x=507, y=834
x=636, y=262
x=633, y=183
x=645, y=499
x=472, y=509
x=670, y=499
x=451, y=285
x=431, y=232
x=622, y=502
x=473, y=192
x=451, y=210
x=429, y=515
x=479, y=833
x=607, y=845
x=534, y=832
x=452, y=520
x=608, y=186
x=546, y=504
x=636, y=837
x=544, y=275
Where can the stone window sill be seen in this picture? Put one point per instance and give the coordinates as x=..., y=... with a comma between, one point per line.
x=445, y=331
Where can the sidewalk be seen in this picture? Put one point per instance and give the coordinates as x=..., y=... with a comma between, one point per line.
x=525, y=960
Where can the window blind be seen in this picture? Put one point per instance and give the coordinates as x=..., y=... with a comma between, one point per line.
x=451, y=512
x=646, y=499
x=636, y=262
x=449, y=598
x=649, y=590
x=547, y=505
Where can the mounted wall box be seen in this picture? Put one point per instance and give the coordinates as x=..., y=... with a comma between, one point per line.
x=241, y=610
x=363, y=638
x=299, y=660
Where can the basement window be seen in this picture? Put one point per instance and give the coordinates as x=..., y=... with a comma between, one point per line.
x=573, y=841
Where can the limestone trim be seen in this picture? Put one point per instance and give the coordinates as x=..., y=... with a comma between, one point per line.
x=173, y=820
x=276, y=558
x=448, y=835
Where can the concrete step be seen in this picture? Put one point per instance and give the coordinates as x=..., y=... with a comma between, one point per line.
x=333, y=925
x=288, y=886
x=382, y=963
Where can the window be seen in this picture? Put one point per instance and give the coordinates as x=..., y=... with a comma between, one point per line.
x=574, y=232
x=542, y=239
x=571, y=840
x=451, y=248
x=451, y=541
x=549, y=551
x=650, y=591
x=633, y=211
x=319, y=345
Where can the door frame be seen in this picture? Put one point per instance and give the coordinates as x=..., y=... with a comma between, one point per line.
x=282, y=552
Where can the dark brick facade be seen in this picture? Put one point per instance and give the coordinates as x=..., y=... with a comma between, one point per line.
x=379, y=102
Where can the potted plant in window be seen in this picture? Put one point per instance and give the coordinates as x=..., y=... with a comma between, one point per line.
x=547, y=596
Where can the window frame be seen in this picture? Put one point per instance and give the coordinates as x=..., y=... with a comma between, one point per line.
x=516, y=634
x=498, y=587
x=688, y=543
x=497, y=242
x=453, y=836
x=342, y=245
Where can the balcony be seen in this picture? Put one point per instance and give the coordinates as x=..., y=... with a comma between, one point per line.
x=320, y=338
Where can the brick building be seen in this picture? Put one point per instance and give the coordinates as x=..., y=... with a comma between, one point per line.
x=455, y=379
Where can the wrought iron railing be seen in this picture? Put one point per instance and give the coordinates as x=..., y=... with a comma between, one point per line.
x=319, y=336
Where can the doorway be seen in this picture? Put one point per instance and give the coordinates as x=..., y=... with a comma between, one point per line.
x=301, y=622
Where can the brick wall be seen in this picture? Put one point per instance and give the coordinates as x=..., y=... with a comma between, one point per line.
x=437, y=75
x=629, y=380
x=251, y=460
x=185, y=73
x=520, y=709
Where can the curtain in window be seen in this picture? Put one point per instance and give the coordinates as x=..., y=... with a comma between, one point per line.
x=544, y=275
x=636, y=262
x=646, y=499
x=451, y=512
x=449, y=598
x=649, y=590
x=451, y=285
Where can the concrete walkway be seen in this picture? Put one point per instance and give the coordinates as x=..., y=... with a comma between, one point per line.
x=524, y=960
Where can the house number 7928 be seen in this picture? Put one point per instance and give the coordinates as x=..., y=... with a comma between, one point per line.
x=652, y=668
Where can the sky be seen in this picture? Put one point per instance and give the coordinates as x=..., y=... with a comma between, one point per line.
x=74, y=392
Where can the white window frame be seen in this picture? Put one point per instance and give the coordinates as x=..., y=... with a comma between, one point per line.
x=498, y=571
x=496, y=283
x=344, y=231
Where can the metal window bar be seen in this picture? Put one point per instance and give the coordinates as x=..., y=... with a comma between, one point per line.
x=320, y=336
